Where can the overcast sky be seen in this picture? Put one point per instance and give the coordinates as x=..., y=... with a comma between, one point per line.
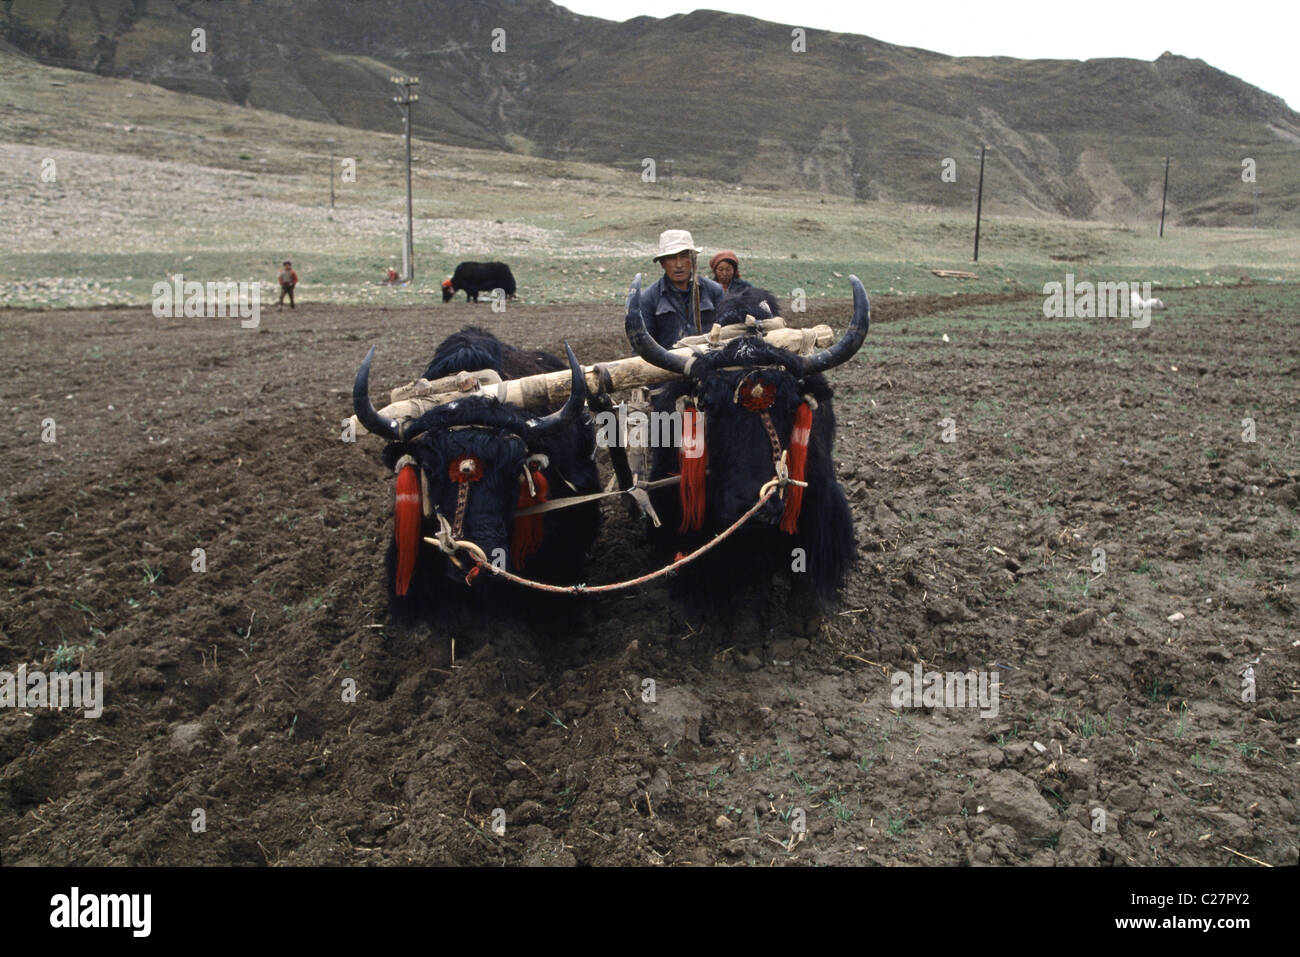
x=1255, y=41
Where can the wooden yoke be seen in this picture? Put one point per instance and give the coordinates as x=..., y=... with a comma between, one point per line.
x=551, y=389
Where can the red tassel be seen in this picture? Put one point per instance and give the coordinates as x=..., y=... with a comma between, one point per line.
x=407, y=521
x=798, y=464
x=526, y=533
x=694, y=462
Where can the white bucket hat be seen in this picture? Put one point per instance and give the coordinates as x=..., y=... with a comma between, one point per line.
x=673, y=241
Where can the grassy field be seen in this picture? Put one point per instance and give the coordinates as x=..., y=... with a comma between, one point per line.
x=148, y=183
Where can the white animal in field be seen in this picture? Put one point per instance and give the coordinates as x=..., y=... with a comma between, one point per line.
x=1138, y=304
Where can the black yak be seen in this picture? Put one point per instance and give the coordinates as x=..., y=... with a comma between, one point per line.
x=474, y=462
x=756, y=403
x=475, y=278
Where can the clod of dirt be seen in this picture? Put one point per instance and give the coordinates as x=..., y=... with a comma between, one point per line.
x=675, y=717
x=44, y=725
x=543, y=850
x=1012, y=799
x=1080, y=624
x=149, y=679
x=185, y=736
x=1127, y=797
x=1232, y=825
x=840, y=748
x=884, y=516
x=735, y=848
x=660, y=784
x=940, y=611
x=528, y=813
x=1285, y=494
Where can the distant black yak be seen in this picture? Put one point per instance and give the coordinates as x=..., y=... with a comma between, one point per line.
x=475, y=278
x=475, y=462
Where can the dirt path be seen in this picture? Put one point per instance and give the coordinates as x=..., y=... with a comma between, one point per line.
x=225, y=687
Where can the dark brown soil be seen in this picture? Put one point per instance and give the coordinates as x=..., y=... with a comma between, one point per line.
x=225, y=688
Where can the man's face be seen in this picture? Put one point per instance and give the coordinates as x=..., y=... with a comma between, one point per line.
x=724, y=271
x=677, y=268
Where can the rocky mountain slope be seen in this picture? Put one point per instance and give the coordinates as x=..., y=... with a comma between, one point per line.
x=722, y=96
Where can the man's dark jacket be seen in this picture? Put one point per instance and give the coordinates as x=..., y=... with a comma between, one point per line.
x=668, y=313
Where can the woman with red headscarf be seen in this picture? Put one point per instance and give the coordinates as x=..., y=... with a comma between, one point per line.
x=726, y=270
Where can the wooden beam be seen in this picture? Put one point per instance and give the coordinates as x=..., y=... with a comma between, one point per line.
x=552, y=388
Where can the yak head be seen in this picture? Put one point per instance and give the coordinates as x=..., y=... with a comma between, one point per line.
x=448, y=290
x=474, y=462
x=753, y=402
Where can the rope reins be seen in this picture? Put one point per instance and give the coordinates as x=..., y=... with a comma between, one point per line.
x=482, y=564
x=639, y=487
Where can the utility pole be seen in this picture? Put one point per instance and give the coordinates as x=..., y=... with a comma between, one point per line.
x=979, y=204
x=406, y=100
x=1163, y=195
x=1255, y=223
x=331, y=179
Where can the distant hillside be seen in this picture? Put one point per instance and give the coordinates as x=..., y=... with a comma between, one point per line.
x=721, y=95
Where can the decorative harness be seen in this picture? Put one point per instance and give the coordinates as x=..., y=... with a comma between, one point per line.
x=789, y=465
x=414, y=504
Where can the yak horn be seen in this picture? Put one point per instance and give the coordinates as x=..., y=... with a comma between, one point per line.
x=373, y=422
x=849, y=343
x=644, y=344
x=572, y=406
